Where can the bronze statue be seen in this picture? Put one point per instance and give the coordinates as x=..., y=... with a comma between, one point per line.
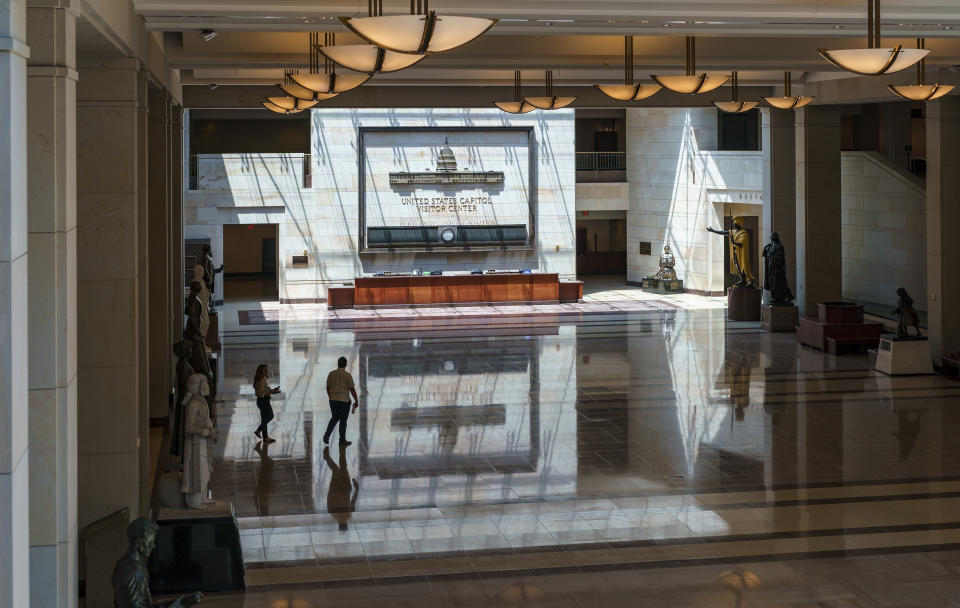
x=193, y=309
x=131, y=581
x=775, y=272
x=183, y=349
x=209, y=271
x=739, y=252
x=667, y=262
x=906, y=315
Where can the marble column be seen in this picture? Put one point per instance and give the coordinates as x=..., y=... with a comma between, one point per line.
x=158, y=243
x=52, y=226
x=819, y=272
x=780, y=185
x=943, y=226
x=176, y=224
x=143, y=281
x=108, y=401
x=14, y=412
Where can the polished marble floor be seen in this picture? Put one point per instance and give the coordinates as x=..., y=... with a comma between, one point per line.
x=560, y=446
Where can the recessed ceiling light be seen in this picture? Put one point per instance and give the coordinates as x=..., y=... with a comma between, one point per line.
x=838, y=27
x=948, y=27
x=667, y=25
x=554, y=20
x=208, y=35
x=515, y=20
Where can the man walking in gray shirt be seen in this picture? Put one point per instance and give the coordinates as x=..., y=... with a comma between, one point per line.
x=339, y=388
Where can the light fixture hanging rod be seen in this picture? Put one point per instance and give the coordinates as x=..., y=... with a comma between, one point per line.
x=786, y=84
x=922, y=64
x=691, y=55
x=876, y=23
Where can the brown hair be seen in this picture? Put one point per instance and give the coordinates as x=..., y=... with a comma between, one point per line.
x=261, y=372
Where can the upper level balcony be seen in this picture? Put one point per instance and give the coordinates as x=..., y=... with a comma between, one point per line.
x=250, y=171
x=595, y=167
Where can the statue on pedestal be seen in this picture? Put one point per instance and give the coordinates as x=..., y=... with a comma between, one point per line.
x=667, y=262
x=199, y=434
x=775, y=272
x=906, y=315
x=739, y=252
x=131, y=580
x=183, y=349
x=193, y=330
x=204, y=297
x=208, y=269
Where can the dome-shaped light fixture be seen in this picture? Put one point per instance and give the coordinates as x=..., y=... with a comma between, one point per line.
x=421, y=32
x=873, y=60
x=549, y=101
x=692, y=83
x=292, y=89
x=275, y=108
x=328, y=83
x=518, y=105
x=788, y=101
x=291, y=103
x=921, y=91
x=369, y=58
x=735, y=106
x=628, y=91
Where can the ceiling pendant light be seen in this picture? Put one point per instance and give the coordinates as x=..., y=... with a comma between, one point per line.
x=275, y=108
x=369, y=58
x=735, y=106
x=873, y=60
x=787, y=102
x=692, y=83
x=292, y=89
x=519, y=105
x=921, y=91
x=628, y=91
x=328, y=83
x=421, y=32
x=291, y=103
x=549, y=101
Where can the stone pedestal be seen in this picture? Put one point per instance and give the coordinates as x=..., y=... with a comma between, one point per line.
x=838, y=325
x=779, y=318
x=655, y=285
x=743, y=304
x=901, y=356
x=197, y=550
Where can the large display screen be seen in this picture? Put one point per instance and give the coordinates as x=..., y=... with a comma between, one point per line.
x=436, y=187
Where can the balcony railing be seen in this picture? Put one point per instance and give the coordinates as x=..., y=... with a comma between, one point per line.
x=249, y=171
x=601, y=166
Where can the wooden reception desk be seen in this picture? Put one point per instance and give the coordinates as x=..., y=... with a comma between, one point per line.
x=455, y=289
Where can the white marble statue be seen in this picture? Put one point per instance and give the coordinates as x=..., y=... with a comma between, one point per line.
x=199, y=434
x=198, y=273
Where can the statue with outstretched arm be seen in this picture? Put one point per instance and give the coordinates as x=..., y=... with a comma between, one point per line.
x=739, y=252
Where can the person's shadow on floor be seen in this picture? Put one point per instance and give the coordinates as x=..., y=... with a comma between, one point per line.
x=340, y=503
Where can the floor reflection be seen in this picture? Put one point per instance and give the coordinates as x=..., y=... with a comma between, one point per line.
x=576, y=429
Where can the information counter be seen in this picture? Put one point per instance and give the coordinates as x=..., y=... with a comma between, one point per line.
x=455, y=289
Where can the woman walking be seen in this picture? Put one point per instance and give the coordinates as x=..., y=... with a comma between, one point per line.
x=264, y=391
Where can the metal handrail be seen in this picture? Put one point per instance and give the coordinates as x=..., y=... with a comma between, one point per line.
x=601, y=161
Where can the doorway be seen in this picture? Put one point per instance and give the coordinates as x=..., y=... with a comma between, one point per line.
x=602, y=243
x=250, y=262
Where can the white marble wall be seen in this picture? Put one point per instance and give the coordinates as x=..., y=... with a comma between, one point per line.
x=678, y=183
x=884, y=220
x=603, y=196
x=323, y=220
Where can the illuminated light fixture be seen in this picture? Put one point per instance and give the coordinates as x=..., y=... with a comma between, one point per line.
x=873, y=60
x=735, y=106
x=628, y=91
x=421, y=32
x=921, y=91
x=369, y=58
x=549, y=101
x=329, y=82
x=692, y=83
x=292, y=89
x=518, y=105
x=208, y=35
x=275, y=108
x=291, y=103
x=787, y=102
